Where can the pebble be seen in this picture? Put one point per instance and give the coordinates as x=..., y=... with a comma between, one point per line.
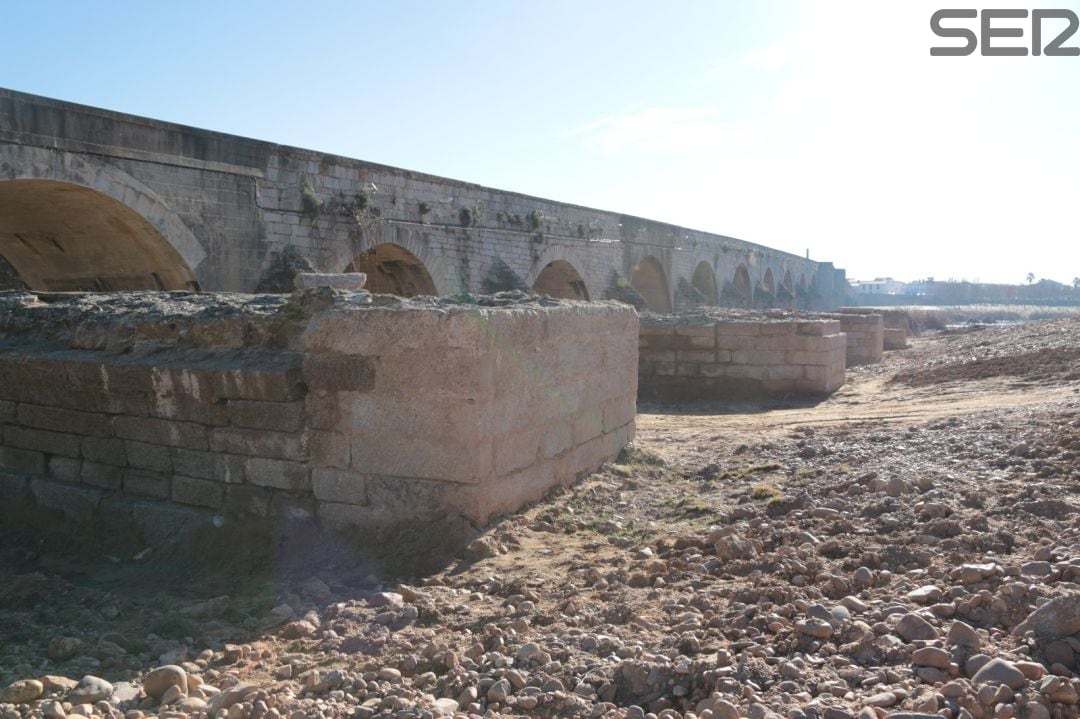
x=974, y=663
x=1000, y=671
x=228, y=697
x=972, y=573
x=1031, y=670
x=1036, y=569
x=159, y=680
x=171, y=695
x=855, y=604
x=90, y=689
x=813, y=627
x=882, y=699
x=53, y=709
x=53, y=683
x=1057, y=618
x=386, y=599
x=913, y=627
x=1060, y=652
x=757, y=618
x=931, y=675
x=723, y=709
x=499, y=691
x=124, y=692
x=1059, y=689
x=22, y=691
x=931, y=657
x=925, y=595
x=445, y=707
x=962, y=634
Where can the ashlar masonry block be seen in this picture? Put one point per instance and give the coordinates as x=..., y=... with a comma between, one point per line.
x=749, y=358
x=367, y=416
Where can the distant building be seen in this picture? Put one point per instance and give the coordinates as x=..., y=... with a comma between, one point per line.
x=879, y=286
x=919, y=287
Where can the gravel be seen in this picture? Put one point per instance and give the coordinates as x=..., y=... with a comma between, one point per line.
x=903, y=569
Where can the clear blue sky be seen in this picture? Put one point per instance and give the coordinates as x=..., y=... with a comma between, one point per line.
x=822, y=126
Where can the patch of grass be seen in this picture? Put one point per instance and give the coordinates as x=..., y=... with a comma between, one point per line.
x=692, y=507
x=712, y=472
x=633, y=455
x=767, y=492
x=755, y=469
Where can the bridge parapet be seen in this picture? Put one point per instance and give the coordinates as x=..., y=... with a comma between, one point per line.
x=244, y=202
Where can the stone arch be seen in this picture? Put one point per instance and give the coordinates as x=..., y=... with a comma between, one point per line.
x=70, y=222
x=578, y=260
x=704, y=281
x=765, y=295
x=443, y=275
x=786, y=291
x=768, y=284
x=392, y=269
x=561, y=279
x=739, y=292
x=649, y=279
x=800, y=293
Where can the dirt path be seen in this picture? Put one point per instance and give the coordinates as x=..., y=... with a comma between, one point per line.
x=867, y=397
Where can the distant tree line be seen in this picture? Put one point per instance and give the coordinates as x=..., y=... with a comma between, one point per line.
x=962, y=292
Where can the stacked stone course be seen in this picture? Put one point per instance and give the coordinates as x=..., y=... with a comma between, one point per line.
x=865, y=337
x=366, y=418
x=726, y=359
x=897, y=325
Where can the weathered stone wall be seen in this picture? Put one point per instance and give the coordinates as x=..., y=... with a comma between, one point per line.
x=365, y=417
x=897, y=325
x=898, y=328
x=740, y=358
x=229, y=206
x=895, y=338
x=865, y=337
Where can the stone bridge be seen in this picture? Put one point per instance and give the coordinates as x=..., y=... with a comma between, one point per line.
x=97, y=200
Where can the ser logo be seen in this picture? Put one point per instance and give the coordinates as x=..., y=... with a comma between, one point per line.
x=989, y=29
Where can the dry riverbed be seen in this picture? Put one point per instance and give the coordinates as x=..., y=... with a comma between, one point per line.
x=909, y=546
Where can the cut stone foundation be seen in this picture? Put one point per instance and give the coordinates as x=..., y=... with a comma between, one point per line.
x=897, y=325
x=865, y=337
x=895, y=338
x=685, y=360
x=322, y=404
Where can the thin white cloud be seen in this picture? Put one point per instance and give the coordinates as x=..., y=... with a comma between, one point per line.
x=866, y=149
x=668, y=131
